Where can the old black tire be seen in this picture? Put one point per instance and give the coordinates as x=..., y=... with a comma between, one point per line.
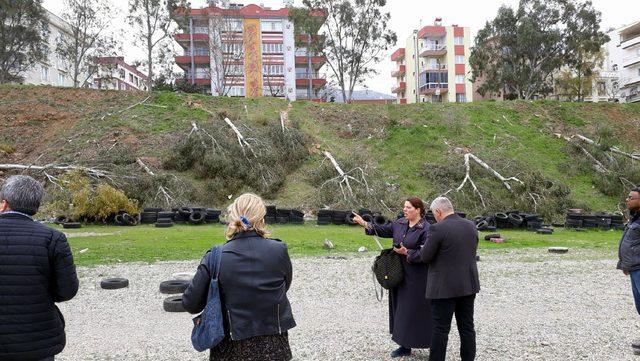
x=164, y=225
x=493, y=235
x=558, y=249
x=172, y=287
x=173, y=304
x=70, y=225
x=482, y=225
x=196, y=217
x=114, y=283
x=515, y=219
x=544, y=231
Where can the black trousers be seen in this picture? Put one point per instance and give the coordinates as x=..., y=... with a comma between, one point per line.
x=443, y=310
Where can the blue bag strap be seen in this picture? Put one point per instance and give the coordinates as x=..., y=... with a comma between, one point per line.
x=214, y=262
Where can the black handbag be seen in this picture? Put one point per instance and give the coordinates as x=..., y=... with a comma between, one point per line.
x=387, y=269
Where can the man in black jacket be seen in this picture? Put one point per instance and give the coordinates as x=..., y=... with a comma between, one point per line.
x=629, y=252
x=36, y=270
x=452, y=280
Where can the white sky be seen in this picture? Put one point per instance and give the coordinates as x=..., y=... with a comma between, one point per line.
x=407, y=15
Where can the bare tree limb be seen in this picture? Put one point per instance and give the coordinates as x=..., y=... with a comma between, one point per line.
x=91, y=171
x=144, y=166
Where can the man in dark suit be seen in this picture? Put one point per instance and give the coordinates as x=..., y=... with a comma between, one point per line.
x=36, y=271
x=452, y=281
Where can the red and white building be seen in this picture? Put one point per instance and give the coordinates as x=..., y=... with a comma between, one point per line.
x=434, y=65
x=113, y=73
x=251, y=51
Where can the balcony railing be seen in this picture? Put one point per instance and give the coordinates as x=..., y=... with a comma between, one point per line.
x=631, y=41
x=630, y=60
x=197, y=52
x=199, y=75
x=305, y=75
x=399, y=87
x=433, y=50
x=432, y=67
x=200, y=30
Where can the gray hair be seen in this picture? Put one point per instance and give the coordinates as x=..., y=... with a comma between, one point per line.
x=23, y=193
x=443, y=204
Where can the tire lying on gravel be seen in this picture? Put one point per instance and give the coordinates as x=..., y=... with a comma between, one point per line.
x=172, y=287
x=114, y=283
x=173, y=304
x=71, y=225
x=558, y=249
x=489, y=236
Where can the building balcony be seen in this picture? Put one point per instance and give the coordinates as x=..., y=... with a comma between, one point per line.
x=433, y=50
x=631, y=41
x=317, y=80
x=435, y=68
x=433, y=31
x=198, y=59
x=399, y=87
x=185, y=37
x=399, y=72
x=626, y=82
x=316, y=60
x=631, y=60
x=434, y=88
x=398, y=54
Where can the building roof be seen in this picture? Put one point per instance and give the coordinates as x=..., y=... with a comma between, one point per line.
x=248, y=11
x=120, y=61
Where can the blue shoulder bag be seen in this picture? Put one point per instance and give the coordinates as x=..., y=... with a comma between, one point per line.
x=208, y=327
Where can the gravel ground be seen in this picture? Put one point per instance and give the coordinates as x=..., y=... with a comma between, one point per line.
x=533, y=306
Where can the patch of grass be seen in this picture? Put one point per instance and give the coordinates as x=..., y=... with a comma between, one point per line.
x=7, y=148
x=149, y=244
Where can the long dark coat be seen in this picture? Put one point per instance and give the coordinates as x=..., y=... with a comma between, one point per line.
x=410, y=322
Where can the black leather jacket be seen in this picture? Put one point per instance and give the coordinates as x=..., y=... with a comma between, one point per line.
x=255, y=274
x=629, y=248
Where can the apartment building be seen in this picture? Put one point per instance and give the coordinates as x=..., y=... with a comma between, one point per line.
x=115, y=74
x=434, y=65
x=606, y=82
x=247, y=51
x=52, y=71
x=629, y=67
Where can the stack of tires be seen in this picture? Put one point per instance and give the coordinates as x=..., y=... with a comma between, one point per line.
x=297, y=217
x=272, y=215
x=599, y=220
x=165, y=219
x=150, y=215
x=324, y=217
x=339, y=217
x=212, y=215
x=283, y=215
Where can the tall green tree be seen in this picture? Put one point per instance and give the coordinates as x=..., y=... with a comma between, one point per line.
x=89, y=38
x=355, y=37
x=23, y=37
x=152, y=25
x=583, y=42
x=520, y=50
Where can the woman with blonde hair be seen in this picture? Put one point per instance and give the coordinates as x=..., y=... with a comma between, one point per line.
x=254, y=277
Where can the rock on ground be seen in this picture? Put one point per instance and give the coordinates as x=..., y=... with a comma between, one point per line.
x=533, y=306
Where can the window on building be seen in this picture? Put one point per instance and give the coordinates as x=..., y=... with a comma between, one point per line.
x=271, y=25
x=459, y=59
x=62, y=79
x=615, y=67
x=272, y=48
x=459, y=79
x=234, y=24
x=130, y=78
x=461, y=98
x=44, y=73
x=458, y=40
x=273, y=69
x=121, y=72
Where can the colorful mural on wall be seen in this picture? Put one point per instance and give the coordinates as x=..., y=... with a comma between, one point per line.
x=252, y=58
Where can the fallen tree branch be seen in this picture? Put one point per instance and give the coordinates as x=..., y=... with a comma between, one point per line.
x=505, y=181
x=241, y=140
x=467, y=177
x=597, y=165
x=91, y=171
x=144, y=166
x=610, y=149
x=129, y=107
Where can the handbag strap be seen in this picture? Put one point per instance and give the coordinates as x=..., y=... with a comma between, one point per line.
x=214, y=262
x=379, y=296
